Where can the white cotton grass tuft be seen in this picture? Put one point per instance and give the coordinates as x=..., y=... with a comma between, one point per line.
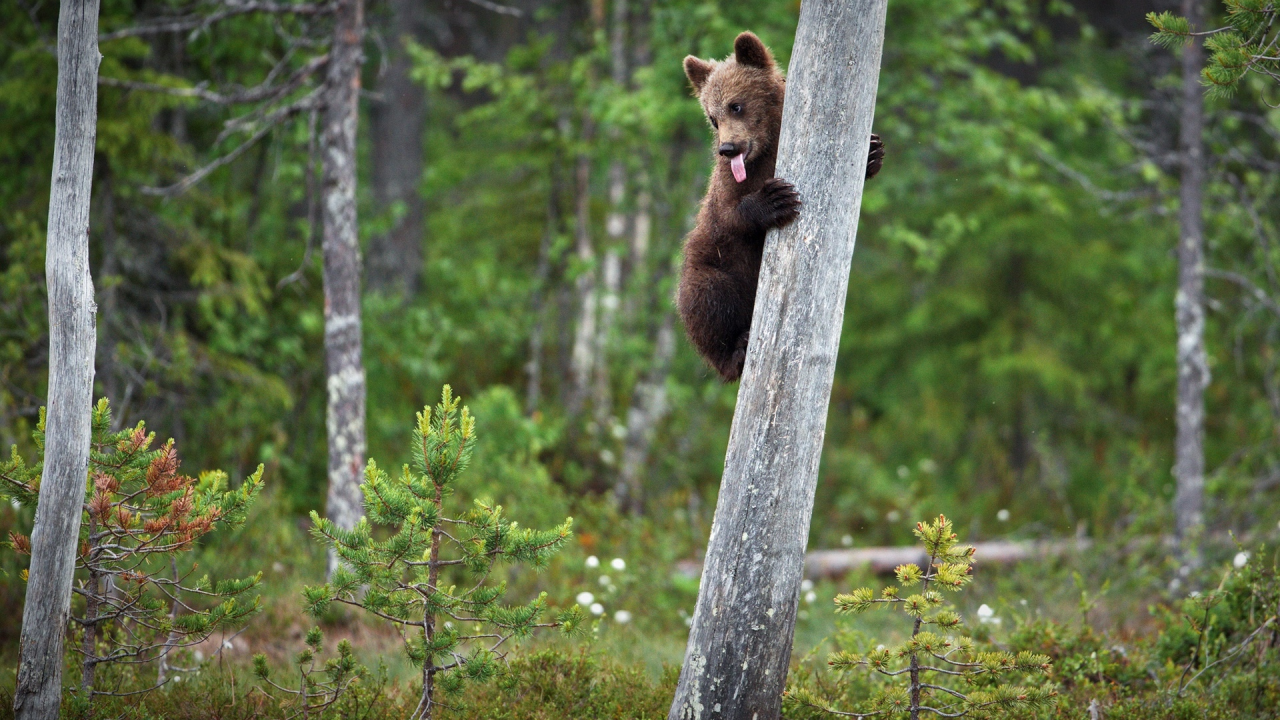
x=593, y=562
x=618, y=564
x=597, y=609
x=987, y=615
x=810, y=596
x=1003, y=515
x=847, y=541
x=806, y=585
x=605, y=580
x=585, y=598
x=622, y=617
x=1241, y=559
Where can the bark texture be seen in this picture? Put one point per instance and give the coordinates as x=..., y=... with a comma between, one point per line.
x=344, y=365
x=1193, y=363
x=72, y=342
x=740, y=643
x=395, y=258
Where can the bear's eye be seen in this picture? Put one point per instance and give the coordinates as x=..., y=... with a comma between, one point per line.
x=714, y=124
x=736, y=108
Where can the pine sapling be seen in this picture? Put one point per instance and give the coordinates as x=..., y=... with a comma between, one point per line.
x=132, y=605
x=318, y=686
x=430, y=576
x=942, y=671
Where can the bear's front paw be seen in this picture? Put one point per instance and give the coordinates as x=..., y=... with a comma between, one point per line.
x=779, y=203
x=875, y=159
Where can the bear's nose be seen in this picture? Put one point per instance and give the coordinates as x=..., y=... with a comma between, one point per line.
x=729, y=149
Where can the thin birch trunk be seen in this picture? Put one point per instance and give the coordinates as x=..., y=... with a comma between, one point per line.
x=72, y=343
x=1193, y=364
x=648, y=407
x=615, y=230
x=610, y=284
x=740, y=643
x=582, y=357
x=342, y=327
x=533, y=368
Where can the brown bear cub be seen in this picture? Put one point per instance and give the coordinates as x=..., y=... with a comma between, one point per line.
x=742, y=97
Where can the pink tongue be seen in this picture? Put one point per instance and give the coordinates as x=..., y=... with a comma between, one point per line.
x=739, y=166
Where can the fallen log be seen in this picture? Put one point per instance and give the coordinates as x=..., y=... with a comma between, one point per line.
x=820, y=564
x=826, y=564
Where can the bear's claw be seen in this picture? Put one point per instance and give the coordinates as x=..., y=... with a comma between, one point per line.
x=779, y=203
x=875, y=158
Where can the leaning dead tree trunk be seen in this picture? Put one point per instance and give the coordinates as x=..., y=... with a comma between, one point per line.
x=740, y=643
x=1193, y=364
x=72, y=342
x=343, y=350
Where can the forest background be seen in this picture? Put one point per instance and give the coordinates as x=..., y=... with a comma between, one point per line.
x=526, y=174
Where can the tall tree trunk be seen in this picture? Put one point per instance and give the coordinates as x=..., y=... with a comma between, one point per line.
x=1193, y=364
x=615, y=229
x=533, y=368
x=109, y=337
x=344, y=366
x=648, y=406
x=395, y=257
x=740, y=643
x=72, y=342
x=582, y=358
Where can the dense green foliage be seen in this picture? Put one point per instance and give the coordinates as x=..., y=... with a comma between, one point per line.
x=1008, y=333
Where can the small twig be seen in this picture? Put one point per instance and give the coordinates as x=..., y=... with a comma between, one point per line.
x=1237, y=650
x=200, y=22
x=500, y=9
x=1252, y=288
x=267, y=90
x=308, y=102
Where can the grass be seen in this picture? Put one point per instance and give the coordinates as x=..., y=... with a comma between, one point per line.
x=1089, y=611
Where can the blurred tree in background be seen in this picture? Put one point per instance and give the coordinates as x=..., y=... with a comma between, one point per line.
x=1008, y=342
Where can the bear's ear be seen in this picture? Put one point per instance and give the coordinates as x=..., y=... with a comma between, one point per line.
x=698, y=71
x=750, y=51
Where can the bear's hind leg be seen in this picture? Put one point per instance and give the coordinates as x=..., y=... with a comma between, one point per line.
x=731, y=367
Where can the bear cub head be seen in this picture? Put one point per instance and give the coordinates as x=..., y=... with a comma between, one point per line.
x=742, y=96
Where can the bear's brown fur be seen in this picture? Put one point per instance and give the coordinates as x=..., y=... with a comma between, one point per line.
x=742, y=97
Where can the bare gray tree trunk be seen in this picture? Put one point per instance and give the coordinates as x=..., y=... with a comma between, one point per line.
x=72, y=342
x=740, y=643
x=344, y=364
x=1193, y=364
x=395, y=258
